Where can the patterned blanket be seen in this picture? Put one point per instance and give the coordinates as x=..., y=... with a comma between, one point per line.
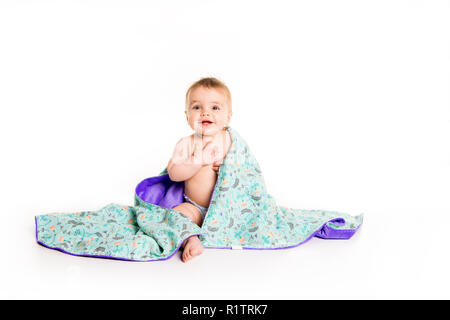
x=241, y=215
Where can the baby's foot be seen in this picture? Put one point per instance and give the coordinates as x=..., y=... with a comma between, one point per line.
x=192, y=248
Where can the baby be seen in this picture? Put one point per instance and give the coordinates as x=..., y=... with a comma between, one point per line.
x=196, y=158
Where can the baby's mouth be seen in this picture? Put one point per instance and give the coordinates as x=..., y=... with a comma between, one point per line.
x=206, y=123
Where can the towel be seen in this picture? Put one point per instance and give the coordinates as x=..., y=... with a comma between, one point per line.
x=241, y=215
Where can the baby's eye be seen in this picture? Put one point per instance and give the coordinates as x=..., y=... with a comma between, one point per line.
x=216, y=108
x=195, y=107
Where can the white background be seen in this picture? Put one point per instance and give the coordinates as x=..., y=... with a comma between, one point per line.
x=345, y=104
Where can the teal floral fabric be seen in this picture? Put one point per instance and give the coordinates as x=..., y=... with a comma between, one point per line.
x=241, y=215
x=117, y=231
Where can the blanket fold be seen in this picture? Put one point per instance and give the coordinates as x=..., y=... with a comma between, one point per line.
x=241, y=214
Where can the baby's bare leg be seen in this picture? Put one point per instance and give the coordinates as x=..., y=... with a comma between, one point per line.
x=190, y=211
x=192, y=246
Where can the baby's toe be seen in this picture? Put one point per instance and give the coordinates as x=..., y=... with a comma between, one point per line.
x=186, y=255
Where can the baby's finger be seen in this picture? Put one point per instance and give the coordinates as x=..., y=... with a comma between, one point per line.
x=208, y=158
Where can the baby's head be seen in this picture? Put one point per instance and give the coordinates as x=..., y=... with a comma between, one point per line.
x=208, y=99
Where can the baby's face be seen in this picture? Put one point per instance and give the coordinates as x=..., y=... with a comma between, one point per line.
x=207, y=104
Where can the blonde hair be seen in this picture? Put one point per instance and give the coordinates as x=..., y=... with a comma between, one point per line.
x=210, y=82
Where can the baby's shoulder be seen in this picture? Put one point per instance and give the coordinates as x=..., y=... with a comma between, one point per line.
x=184, y=144
x=186, y=140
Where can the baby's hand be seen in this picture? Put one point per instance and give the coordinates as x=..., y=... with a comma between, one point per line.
x=210, y=154
x=216, y=166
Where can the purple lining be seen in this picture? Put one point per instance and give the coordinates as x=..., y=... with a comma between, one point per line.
x=161, y=191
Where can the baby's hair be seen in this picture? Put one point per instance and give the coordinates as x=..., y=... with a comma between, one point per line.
x=210, y=82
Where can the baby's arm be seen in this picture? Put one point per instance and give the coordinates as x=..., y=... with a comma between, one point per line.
x=187, y=159
x=181, y=166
